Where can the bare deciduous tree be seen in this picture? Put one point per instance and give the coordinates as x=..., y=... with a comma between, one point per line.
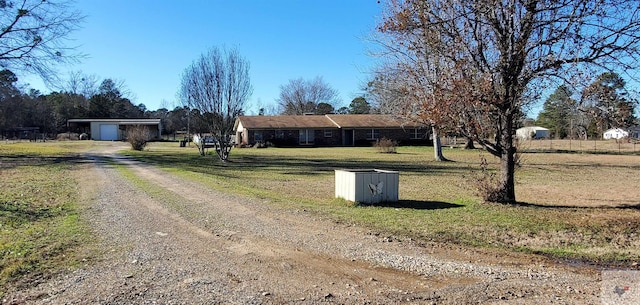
x=400, y=93
x=34, y=33
x=499, y=53
x=83, y=84
x=218, y=85
x=301, y=96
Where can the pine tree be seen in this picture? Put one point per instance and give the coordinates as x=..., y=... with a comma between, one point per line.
x=557, y=112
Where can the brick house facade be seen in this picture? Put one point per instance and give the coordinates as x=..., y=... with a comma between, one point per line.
x=327, y=130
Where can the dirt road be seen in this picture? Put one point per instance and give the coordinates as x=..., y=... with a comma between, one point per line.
x=191, y=245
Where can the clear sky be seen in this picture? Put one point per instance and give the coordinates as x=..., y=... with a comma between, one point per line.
x=148, y=43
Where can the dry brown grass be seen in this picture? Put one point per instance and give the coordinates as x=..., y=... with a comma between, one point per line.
x=580, y=180
x=571, y=203
x=586, y=146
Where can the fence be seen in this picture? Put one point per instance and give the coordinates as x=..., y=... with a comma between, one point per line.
x=625, y=146
x=590, y=146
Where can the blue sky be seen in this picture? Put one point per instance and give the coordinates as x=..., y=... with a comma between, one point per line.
x=147, y=44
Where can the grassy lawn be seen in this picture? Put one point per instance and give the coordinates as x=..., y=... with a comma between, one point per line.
x=576, y=206
x=40, y=228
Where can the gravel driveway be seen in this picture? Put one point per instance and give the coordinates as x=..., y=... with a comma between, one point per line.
x=199, y=246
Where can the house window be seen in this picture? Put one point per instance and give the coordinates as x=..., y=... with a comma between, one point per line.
x=328, y=133
x=373, y=134
x=306, y=136
x=417, y=133
x=257, y=136
x=279, y=134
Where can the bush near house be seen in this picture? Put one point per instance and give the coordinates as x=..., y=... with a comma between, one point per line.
x=138, y=136
x=386, y=145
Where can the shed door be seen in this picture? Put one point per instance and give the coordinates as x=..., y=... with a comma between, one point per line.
x=108, y=132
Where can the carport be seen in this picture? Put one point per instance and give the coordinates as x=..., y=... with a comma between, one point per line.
x=112, y=129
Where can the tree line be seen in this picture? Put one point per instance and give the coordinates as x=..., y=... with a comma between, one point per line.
x=49, y=113
x=589, y=111
x=84, y=97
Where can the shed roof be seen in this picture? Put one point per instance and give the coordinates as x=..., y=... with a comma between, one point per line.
x=118, y=121
x=533, y=128
x=614, y=130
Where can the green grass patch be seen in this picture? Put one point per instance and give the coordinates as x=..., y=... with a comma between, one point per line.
x=40, y=229
x=561, y=215
x=167, y=198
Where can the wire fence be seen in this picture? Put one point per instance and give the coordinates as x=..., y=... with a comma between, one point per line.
x=623, y=146
x=584, y=146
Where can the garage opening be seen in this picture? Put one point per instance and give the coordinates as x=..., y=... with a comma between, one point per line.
x=108, y=132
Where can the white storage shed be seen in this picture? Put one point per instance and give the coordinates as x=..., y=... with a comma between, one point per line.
x=615, y=133
x=532, y=132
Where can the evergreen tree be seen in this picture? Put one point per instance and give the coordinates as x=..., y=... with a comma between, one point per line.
x=608, y=103
x=10, y=100
x=324, y=108
x=557, y=112
x=110, y=102
x=359, y=106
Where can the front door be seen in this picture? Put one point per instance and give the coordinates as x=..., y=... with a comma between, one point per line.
x=347, y=139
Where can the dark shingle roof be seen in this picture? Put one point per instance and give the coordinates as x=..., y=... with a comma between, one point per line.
x=368, y=121
x=323, y=121
x=285, y=121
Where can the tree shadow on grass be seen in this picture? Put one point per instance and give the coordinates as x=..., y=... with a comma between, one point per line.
x=630, y=206
x=417, y=205
x=12, y=214
x=635, y=206
x=14, y=161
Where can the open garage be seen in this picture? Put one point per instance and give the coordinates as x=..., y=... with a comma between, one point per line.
x=112, y=129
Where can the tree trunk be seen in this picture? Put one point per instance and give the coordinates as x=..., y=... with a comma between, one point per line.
x=223, y=150
x=198, y=139
x=437, y=145
x=223, y=147
x=505, y=191
x=469, y=144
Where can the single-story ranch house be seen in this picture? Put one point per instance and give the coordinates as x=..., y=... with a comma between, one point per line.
x=327, y=130
x=112, y=129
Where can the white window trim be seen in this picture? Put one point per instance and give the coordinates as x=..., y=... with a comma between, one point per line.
x=371, y=134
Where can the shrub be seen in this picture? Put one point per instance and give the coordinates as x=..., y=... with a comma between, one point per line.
x=485, y=182
x=138, y=136
x=67, y=136
x=385, y=145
